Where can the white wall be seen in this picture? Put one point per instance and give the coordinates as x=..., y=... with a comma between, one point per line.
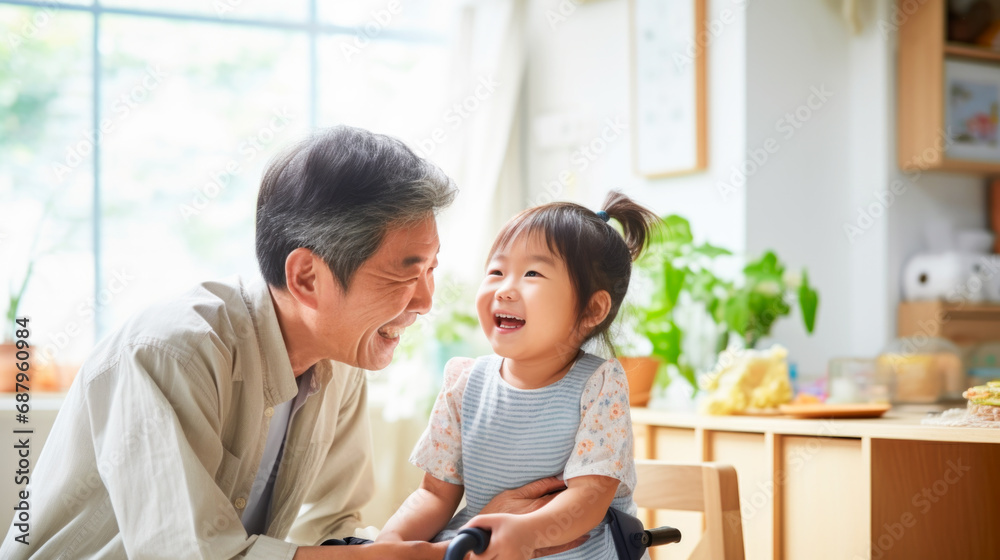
x=578, y=72
x=838, y=171
x=834, y=155
x=797, y=203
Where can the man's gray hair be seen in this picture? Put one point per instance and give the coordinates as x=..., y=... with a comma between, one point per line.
x=337, y=193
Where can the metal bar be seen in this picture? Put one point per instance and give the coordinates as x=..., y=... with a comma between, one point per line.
x=319, y=28
x=99, y=311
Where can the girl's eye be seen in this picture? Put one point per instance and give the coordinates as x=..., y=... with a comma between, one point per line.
x=531, y=273
x=494, y=272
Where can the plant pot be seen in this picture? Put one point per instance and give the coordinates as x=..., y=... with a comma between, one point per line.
x=8, y=371
x=641, y=373
x=45, y=376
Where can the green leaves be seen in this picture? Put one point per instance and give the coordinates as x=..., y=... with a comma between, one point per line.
x=666, y=341
x=808, y=303
x=767, y=267
x=674, y=230
x=666, y=338
x=710, y=251
x=456, y=326
x=673, y=281
x=762, y=299
x=736, y=312
x=688, y=373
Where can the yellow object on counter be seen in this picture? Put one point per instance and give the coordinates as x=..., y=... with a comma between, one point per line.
x=747, y=379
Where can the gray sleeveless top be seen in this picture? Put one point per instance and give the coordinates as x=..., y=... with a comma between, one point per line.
x=511, y=437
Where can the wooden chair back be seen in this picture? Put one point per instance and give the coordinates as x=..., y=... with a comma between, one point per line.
x=710, y=488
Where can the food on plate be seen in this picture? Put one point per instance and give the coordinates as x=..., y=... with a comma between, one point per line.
x=806, y=398
x=984, y=401
x=747, y=380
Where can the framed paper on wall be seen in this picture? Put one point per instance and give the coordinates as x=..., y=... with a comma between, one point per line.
x=971, y=106
x=669, y=113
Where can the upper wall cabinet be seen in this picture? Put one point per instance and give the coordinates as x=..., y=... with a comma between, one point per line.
x=948, y=88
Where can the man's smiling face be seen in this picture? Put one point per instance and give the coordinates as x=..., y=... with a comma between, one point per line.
x=388, y=291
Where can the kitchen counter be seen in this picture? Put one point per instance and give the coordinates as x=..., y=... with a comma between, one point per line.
x=840, y=489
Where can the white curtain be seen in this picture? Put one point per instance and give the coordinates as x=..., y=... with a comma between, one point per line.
x=482, y=154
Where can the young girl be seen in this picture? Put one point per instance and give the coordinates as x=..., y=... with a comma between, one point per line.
x=540, y=406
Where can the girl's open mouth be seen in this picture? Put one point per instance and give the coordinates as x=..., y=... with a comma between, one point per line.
x=508, y=322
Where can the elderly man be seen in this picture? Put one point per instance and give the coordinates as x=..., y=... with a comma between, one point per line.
x=223, y=422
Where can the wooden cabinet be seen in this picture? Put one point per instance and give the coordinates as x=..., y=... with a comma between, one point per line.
x=922, y=138
x=833, y=489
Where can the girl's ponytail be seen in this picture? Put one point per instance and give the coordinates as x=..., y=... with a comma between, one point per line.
x=637, y=221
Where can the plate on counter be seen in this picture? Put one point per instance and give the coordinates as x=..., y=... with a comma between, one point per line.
x=819, y=410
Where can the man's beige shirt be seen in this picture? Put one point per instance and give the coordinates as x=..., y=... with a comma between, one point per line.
x=156, y=447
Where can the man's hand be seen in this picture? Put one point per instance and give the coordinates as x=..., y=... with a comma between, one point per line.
x=526, y=499
x=529, y=498
x=562, y=548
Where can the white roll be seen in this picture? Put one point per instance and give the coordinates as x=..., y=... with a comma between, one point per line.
x=935, y=276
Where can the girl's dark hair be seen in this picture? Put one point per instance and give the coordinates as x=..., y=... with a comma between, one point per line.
x=597, y=256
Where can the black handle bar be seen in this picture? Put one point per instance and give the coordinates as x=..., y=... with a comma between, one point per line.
x=468, y=540
x=660, y=536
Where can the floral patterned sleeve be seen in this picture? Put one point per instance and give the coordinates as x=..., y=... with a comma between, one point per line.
x=439, y=451
x=604, y=440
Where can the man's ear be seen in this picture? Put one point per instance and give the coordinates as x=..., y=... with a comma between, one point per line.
x=302, y=276
x=597, y=309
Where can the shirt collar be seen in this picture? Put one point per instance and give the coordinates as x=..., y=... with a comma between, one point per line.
x=279, y=380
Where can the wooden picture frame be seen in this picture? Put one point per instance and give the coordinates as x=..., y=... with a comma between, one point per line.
x=668, y=50
x=971, y=101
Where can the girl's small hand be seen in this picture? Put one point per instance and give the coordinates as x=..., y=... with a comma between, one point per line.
x=509, y=537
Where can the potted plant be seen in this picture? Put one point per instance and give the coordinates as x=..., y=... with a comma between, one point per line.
x=681, y=272
x=45, y=374
x=8, y=349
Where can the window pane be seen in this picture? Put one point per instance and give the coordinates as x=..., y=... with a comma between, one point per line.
x=46, y=182
x=194, y=123
x=288, y=10
x=371, y=17
x=389, y=87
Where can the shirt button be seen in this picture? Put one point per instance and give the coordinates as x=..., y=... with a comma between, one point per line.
x=269, y=411
x=240, y=503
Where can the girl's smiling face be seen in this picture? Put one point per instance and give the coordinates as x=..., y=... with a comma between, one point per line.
x=526, y=303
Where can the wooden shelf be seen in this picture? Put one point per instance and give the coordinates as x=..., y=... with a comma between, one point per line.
x=971, y=51
x=920, y=92
x=961, y=323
